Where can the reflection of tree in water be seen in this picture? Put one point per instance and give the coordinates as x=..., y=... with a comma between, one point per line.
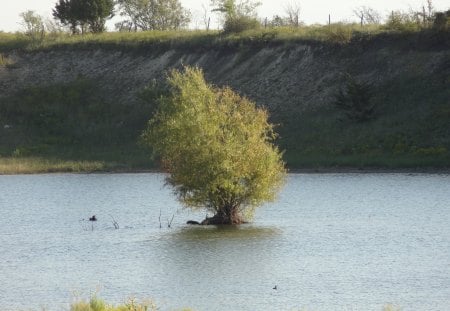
x=226, y=232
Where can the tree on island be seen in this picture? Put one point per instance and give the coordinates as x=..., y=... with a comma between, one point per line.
x=89, y=15
x=217, y=148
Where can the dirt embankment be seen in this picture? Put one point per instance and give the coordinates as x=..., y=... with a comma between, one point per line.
x=283, y=77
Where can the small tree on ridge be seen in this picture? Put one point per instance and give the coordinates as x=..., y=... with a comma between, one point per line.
x=33, y=24
x=237, y=15
x=89, y=15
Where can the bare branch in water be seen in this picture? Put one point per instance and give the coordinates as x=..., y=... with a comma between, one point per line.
x=169, y=223
x=115, y=223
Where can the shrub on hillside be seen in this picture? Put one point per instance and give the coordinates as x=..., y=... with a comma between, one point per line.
x=401, y=21
x=441, y=21
x=355, y=99
x=240, y=23
x=339, y=33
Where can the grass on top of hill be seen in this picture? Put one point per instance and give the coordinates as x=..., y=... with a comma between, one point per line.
x=337, y=33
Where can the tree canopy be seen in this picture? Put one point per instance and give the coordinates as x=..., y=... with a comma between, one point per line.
x=33, y=24
x=89, y=15
x=237, y=15
x=234, y=8
x=217, y=148
x=152, y=15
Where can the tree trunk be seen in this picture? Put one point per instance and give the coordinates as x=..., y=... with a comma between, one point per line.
x=226, y=216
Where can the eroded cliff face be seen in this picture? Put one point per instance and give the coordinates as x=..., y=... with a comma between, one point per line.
x=406, y=78
x=283, y=78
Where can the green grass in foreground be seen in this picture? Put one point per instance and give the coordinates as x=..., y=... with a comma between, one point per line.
x=96, y=304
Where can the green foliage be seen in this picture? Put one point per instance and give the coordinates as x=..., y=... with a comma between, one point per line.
x=355, y=100
x=27, y=165
x=152, y=15
x=411, y=130
x=234, y=8
x=339, y=33
x=96, y=304
x=153, y=92
x=5, y=60
x=33, y=24
x=72, y=125
x=73, y=113
x=144, y=41
x=87, y=14
x=65, y=12
x=441, y=21
x=217, y=147
x=57, y=111
x=278, y=21
x=403, y=22
x=240, y=23
x=237, y=16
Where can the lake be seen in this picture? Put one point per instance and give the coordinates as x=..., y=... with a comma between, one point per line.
x=330, y=242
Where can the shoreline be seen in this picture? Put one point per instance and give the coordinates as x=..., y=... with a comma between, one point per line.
x=368, y=170
x=38, y=165
x=321, y=170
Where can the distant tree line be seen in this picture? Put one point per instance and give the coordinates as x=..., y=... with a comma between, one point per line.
x=82, y=16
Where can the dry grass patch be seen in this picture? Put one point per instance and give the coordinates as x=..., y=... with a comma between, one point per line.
x=34, y=165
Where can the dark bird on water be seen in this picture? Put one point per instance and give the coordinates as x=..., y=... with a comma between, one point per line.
x=93, y=218
x=275, y=287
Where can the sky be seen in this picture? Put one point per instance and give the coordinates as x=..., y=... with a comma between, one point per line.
x=312, y=11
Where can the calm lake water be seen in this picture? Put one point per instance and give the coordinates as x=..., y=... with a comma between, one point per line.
x=331, y=242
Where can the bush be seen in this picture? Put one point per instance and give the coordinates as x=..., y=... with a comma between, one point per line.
x=33, y=24
x=5, y=60
x=355, y=99
x=96, y=304
x=400, y=21
x=441, y=21
x=217, y=147
x=340, y=33
x=240, y=24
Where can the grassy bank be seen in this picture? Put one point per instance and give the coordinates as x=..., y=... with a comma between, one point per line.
x=79, y=126
x=71, y=127
x=408, y=130
x=35, y=165
x=198, y=40
x=77, y=159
